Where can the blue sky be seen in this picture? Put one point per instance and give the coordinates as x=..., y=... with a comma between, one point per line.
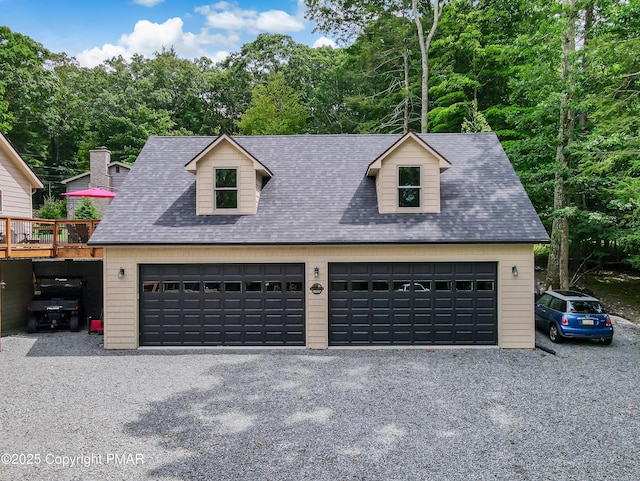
x=95, y=30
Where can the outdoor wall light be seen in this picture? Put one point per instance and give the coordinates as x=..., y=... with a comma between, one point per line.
x=316, y=272
x=514, y=271
x=121, y=273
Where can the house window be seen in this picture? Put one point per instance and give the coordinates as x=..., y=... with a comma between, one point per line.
x=408, y=186
x=226, y=188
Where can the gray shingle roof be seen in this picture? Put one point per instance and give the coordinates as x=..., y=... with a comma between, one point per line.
x=319, y=194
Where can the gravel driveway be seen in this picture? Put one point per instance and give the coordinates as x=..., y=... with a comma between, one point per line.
x=69, y=410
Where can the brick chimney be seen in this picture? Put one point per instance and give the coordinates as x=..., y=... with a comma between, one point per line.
x=99, y=160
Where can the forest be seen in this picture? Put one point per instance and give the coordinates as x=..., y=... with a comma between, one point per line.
x=558, y=81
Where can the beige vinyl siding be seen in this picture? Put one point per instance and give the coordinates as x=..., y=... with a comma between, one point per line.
x=515, y=294
x=259, y=179
x=410, y=153
x=224, y=155
x=16, y=189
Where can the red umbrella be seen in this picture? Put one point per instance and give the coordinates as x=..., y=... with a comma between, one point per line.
x=93, y=192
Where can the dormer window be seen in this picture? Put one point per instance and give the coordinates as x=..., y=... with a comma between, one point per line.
x=226, y=188
x=409, y=186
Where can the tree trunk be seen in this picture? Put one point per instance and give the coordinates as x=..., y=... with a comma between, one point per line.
x=425, y=44
x=407, y=90
x=558, y=264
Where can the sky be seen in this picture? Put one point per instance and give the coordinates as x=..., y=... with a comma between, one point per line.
x=95, y=30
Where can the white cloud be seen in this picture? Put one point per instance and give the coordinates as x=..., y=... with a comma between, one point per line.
x=226, y=24
x=148, y=3
x=227, y=21
x=230, y=17
x=277, y=21
x=96, y=55
x=324, y=42
x=149, y=37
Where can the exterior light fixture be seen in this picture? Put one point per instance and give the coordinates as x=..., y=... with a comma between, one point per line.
x=514, y=271
x=316, y=288
x=121, y=273
x=316, y=272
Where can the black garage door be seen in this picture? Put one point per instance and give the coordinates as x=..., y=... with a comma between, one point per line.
x=222, y=304
x=415, y=304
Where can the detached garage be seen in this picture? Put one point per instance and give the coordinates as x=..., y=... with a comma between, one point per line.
x=320, y=241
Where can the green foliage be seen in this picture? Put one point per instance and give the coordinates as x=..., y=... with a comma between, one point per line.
x=86, y=210
x=5, y=116
x=476, y=122
x=53, y=209
x=494, y=65
x=275, y=110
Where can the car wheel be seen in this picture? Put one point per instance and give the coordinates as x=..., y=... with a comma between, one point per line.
x=74, y=323
x=32, y=324
x=606, y=342
x=554, y=334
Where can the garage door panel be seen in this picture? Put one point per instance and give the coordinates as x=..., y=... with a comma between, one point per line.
x=253, y=305
x=422, y=319
x=292, y=304
x=212, y=303
x=359, y=303
x=443, y=303
x=380, y=319
x=401, y=302
x=401, y=319
x=212, y=318
x=192, y=319
x=380, y=336
x=212, y=337
x=442, y=336
x=423, y=302
x=230, y=303
x=464, y=303
x=380, y=303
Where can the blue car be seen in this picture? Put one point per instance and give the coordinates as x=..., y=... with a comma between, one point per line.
x=569, y=314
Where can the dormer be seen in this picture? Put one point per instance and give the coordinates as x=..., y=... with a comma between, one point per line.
x=229, y=179
x=408, y=177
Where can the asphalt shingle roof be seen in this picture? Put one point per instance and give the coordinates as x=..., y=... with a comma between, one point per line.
x=319, y=194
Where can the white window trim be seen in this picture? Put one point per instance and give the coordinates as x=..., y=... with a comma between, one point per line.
x=419, y=187
x=227, y=189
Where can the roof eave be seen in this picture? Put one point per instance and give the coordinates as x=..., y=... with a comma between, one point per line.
x=257, y=165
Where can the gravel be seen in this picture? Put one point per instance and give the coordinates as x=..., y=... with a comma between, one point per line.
x=70, y=410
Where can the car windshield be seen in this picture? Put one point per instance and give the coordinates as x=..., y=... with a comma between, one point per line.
x=585, y=307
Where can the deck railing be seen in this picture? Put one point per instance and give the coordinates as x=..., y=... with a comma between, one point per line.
x=26, y=237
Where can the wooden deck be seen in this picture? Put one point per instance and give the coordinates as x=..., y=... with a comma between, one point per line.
x=25, y=238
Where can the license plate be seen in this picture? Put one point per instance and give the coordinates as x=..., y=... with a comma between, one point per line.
x=587, y=322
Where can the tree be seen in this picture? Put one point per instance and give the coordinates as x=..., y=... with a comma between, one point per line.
x=476, y=122
x=425, y=44
x=53, y=209
x=86, y=210
x=5, y=116
x=275, y=110
x=347, y=18
x=28, y=87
